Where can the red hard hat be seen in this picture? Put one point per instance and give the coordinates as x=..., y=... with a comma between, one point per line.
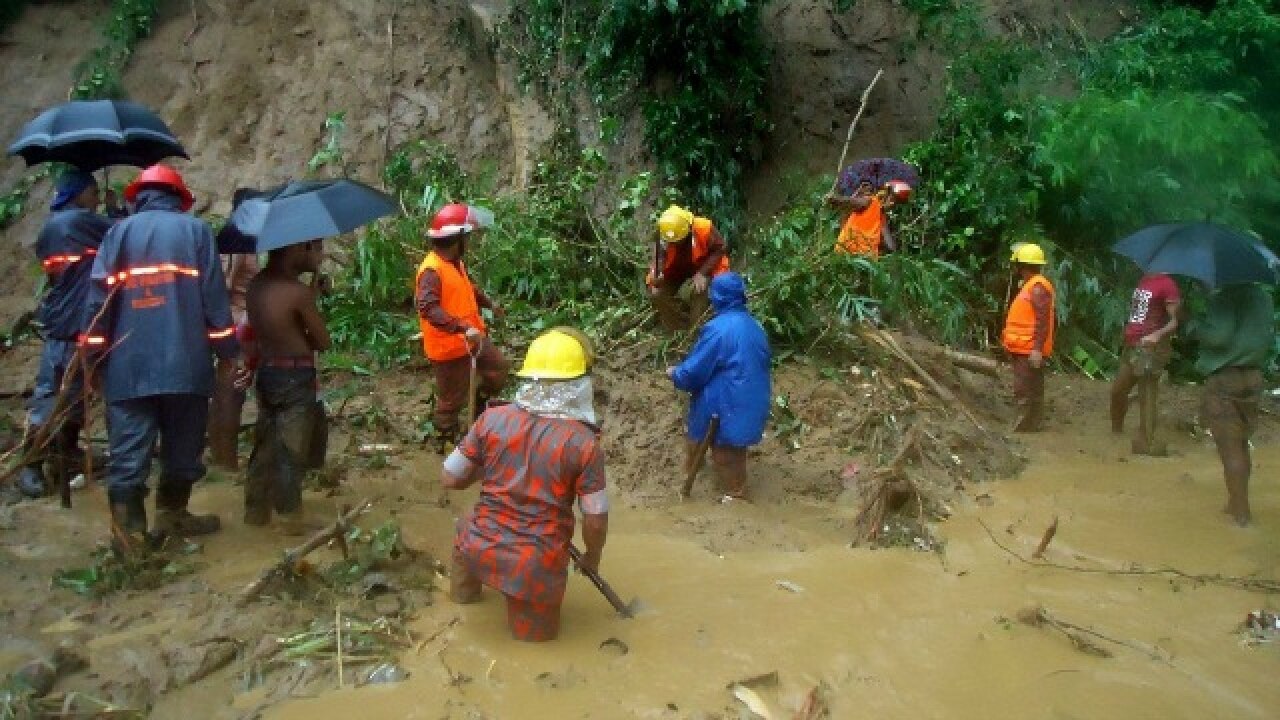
x=160, y=175
x=456, y=219
x=901, y=191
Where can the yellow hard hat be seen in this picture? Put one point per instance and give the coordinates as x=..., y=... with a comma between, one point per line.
x=588, y=347
x=554, y=355
x=674, y=223
x=1027, y=254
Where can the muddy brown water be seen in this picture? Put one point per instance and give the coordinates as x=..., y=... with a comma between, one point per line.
x=893, y=634
x=890, y=633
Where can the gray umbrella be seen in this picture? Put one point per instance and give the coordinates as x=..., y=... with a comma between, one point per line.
x=1215, y=254
x=307, y=210
x=93, y=134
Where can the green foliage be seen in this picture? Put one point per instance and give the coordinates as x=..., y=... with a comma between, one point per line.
x=805, y=294
x=331, y=154
x=99, y=75
x=1121, y=161
x=697, y=70
x=109, y=572
x=10, y=10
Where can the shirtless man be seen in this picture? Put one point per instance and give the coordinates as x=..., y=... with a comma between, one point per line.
x=290, y=435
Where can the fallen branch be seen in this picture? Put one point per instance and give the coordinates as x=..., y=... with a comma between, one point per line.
x=286, y=565
x=972, y=363
x=1253, y=584
x=1038, y=617
x=848, y=138
x=1047, y=538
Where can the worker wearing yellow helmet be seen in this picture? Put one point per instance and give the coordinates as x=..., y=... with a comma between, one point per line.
x=534, y=459
x=1028, y=334
x=688, y=247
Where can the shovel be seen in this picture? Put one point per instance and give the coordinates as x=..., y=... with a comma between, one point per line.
x=625, y=610
x=695, y=461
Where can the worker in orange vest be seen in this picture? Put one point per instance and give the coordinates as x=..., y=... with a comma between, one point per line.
x=454, y=336
x=1028, y=335
x=866, y=230
x=688, y=247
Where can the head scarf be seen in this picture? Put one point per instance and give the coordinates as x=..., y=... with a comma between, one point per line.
x=569, y=399
x=69, y=186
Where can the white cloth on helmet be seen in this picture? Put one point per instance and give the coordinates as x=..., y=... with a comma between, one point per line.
x=569, y=399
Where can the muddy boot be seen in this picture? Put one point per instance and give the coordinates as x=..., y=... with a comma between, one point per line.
x=129, y=526
x=172, y=517
x=31, y=481
x=730, y=464
x=295, y=522
x=446, y=440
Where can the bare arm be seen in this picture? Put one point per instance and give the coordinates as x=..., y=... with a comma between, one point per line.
x=595, y=530
x=886, y=234
x=715, y=251
x=312, y=323
x=1173, y=307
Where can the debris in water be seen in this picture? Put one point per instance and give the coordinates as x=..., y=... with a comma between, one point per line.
x=1260, y=627
x=385, y=673
x=753, y=701
x=614, y=646
x=789, y=586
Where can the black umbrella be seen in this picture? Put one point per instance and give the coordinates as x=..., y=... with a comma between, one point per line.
x=302, y=211
x=93, y=134
x=876, y=172
x=1214, y=254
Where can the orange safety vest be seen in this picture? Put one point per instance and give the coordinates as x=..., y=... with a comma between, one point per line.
x=701, y=237
x=1020, y=324
x=458, y=298
x=863, y=231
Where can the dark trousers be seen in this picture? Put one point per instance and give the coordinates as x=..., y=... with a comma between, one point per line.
x=453, y=381
x=56, y=360
x=290, y=438
x=1028, y=394
x=132, y=429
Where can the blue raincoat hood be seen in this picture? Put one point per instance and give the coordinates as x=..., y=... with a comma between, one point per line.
x=728, y=291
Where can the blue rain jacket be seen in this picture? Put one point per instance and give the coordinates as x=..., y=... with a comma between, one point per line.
x=169, y=309
x=66, y=246
x=727, y=371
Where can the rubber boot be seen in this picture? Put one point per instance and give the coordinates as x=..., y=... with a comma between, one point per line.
x=31, y=481
x=172, y=517
x=129, y=525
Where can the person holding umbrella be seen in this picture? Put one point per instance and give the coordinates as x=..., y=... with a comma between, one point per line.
x=1237, y=336
x=158, y=302
x=1029, y=329
x=288, y=331
x=454, y=335
x=66, y=247
x=866, y=230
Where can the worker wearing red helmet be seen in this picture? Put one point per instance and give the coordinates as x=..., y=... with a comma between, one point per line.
x=866, y=230
x=159, y=306
x=454, y=336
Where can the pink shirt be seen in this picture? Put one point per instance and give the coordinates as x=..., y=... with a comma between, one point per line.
x=1148, y=311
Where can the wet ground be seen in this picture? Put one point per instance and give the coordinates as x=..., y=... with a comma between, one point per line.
x=738, y=591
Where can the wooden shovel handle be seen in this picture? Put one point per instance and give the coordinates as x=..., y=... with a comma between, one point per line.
x=600, y=583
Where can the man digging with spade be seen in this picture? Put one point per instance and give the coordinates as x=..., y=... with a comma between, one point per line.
x=533, y=459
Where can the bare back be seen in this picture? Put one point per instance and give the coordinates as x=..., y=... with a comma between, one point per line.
x=285, y=320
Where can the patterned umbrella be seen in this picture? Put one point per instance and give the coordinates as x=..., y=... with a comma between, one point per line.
x=876, y=172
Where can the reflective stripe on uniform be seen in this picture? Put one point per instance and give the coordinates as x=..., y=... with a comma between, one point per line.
x=152, y=270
